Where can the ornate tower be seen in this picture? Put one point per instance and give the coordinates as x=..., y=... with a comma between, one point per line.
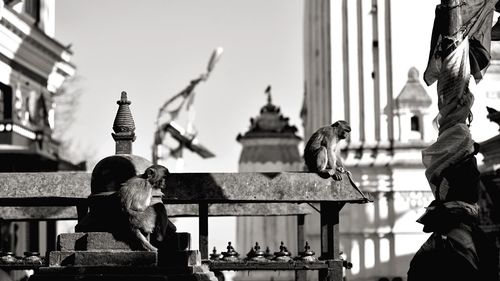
x=270, y=145
x=412, y=110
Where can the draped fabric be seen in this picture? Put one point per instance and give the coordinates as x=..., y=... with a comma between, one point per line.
x=476, y=18
x=460, y=46
x=454, y=142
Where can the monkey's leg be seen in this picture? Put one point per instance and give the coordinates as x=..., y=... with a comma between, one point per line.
x=144, y=242
x=322, y=163
x=339, y=170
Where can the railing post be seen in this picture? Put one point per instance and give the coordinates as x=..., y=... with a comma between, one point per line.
x=300, y=275
x=203, y=229
x=330, y=241
x=51, y=235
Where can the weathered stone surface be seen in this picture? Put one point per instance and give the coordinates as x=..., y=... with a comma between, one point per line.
x=90, y=241
x=259, y=187
x=205, y=276
x=44, y=185
x=102, y=258
x=71, y=241
x=51, y=189
x=38, y=213
x=104, y=241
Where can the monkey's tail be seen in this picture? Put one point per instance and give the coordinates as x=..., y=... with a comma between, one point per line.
x=365, y=198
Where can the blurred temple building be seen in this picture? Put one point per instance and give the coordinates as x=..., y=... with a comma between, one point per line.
x=33, y=66
x=269, y=145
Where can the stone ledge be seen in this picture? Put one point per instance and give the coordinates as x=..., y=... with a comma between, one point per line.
x=66, y=189
x=102, y=258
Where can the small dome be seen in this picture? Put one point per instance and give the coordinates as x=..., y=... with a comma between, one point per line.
x=413, y=94
x=109, y=173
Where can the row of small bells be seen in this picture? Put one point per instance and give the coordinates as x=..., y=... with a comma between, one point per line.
x=257, y=255
x=8, y=258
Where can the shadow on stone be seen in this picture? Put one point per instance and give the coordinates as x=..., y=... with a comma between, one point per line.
x=195, y=186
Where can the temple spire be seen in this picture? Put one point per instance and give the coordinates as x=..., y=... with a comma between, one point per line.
x=124, y=126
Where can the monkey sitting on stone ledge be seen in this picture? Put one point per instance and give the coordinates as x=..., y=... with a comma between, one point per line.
x=135, y=197
x=322, y=151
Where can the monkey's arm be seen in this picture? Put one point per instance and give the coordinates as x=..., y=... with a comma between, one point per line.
x=339, y=164
x=334, y=161
x=329, y=143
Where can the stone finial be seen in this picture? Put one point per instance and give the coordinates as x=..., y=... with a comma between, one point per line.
x=307, y=255
x=123, y=126
x=268, y=93
x=283, y=254
x=214, y=255
x=231, y=254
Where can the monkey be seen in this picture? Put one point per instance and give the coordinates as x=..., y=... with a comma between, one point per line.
x=135, y=197
x=322, y=151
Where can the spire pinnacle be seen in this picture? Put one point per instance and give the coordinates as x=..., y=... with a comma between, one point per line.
x=123, y=126
x=268, y=93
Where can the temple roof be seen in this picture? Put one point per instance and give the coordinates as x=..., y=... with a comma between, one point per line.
x=270, y=137
x=270, y=153
x=270, y=123
x=413, y=94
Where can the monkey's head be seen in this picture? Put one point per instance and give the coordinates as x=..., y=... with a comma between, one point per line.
x=156, y=175
x=343, y=129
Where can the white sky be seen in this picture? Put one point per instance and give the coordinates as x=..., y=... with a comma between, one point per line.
x=153, y=49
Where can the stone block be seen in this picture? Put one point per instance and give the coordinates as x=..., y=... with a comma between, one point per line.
x=104, y=241
x=180, y=258
x=90, y=241
x=183, y=241
x=71, y=241
x=102, y=258
x=205, y=276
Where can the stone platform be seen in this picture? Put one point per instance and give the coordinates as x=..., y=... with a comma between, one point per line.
x=100, y=256
x=191, y=273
